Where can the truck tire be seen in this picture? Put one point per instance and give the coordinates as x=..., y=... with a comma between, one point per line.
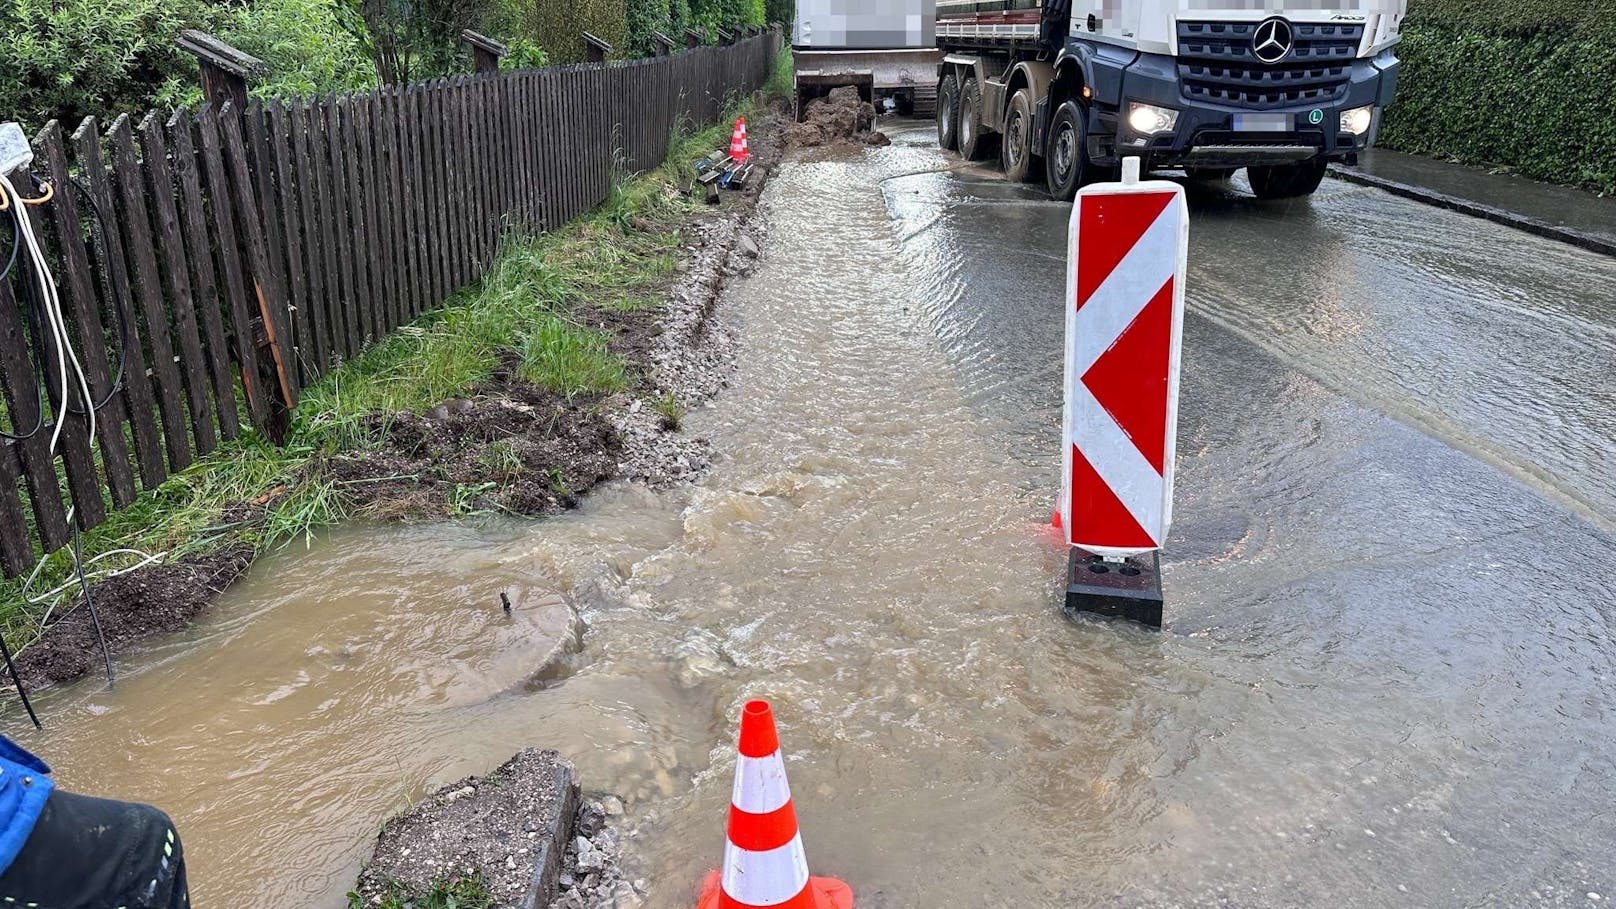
x=1066, y=157
x=1016, y=144
x=974, y=142
x=1286, y=181
x=948, y=113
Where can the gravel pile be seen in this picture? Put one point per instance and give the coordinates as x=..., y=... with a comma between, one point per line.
x=592, y=876
x=692, y=357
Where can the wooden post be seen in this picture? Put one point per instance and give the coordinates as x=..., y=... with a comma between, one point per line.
x=485, y=51
x=225, y=70
x=595, y=49
x=662, y=44
x=725, y=36
x=695, y=37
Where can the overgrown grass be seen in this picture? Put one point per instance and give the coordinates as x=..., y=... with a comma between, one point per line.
x=619, y=256
x=460, y=893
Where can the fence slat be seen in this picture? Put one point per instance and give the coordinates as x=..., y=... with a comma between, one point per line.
x=136, y=384
x=241, y=301
x=267, y=301
x=432, y=239
x=382, y=207
x=308, y=193
x=149, y=292
x=22, y=394
x=398, y=206
x=177, y=280
x=277, y=144
x=414, y=126
x=80, y=294
x=346, y=311
x=477, y=185
x=459, y=153
x=16, y=549
x=204, y=280
x=276, y=306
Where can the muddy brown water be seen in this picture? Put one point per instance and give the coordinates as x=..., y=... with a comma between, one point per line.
x=1335, y=717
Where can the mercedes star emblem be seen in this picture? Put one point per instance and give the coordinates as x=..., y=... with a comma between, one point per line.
x=1272, y=41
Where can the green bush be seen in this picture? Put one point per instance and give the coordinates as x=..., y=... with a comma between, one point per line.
x=309, y=46
x=67, y=59
x=1531, y=89
x=70, y=58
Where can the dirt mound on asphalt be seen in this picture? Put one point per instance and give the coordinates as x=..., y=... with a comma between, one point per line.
x=838, y=119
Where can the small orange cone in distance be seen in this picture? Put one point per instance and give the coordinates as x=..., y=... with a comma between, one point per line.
x=738, y=149
x=764, y=864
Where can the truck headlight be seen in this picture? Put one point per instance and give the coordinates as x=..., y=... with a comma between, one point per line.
x=1357, y=120
x=1150, y=119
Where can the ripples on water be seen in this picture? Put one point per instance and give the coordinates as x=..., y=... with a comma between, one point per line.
x=1387, y=680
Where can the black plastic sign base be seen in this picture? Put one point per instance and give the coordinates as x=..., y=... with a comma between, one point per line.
x=1121, y=590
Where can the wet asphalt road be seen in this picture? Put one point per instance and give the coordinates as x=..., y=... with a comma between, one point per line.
x=1396, y=488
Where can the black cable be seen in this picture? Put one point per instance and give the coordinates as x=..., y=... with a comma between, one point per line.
x=95, y=617
x=15, y=677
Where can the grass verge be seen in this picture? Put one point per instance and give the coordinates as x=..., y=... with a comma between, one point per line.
x=527, y=310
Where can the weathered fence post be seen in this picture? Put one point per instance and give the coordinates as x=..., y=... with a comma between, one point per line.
x=595, y=49
x=485, y=51
x=725, y=36
x=225, y=70
x=663, y=45
x=695, y=37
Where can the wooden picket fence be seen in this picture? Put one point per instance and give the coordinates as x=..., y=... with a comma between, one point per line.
x=225, y=258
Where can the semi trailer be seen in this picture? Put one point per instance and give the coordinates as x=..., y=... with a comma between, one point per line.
x=1067, y=88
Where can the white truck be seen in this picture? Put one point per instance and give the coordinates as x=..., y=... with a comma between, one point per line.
x=1070, y=87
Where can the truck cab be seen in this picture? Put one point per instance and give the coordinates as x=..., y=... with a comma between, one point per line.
x=1208, y=86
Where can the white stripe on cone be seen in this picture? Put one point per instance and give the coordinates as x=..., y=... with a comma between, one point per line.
x=760, y=784
x=765, y=878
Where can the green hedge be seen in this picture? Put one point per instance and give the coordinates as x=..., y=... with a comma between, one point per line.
x=1527, y=84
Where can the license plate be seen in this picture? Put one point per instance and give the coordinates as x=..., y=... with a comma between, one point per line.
x=1262, y=123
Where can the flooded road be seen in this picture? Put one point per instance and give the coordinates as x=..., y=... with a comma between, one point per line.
x=1389, y=674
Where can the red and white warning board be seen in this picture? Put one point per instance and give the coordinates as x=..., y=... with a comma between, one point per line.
x=1124, y=326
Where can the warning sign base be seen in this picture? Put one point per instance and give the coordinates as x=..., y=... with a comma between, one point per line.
x=1121, y=590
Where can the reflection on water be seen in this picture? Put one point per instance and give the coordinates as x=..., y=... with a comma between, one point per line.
x=1387, y=681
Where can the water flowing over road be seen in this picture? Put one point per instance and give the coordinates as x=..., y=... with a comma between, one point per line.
x=1388, y=677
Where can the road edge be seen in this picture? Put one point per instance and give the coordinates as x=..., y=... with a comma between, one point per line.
x=1577, y=238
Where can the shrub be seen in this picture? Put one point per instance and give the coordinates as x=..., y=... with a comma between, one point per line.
x=310, y=46
x=1530, y=88
x=70, y=58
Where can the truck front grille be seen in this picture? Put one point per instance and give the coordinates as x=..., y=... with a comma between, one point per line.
x=1216, y=64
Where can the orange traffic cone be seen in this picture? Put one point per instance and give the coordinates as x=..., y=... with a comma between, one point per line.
x=764, y=864
x=737, y=142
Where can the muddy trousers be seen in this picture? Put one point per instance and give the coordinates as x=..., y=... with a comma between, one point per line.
x=89, y=853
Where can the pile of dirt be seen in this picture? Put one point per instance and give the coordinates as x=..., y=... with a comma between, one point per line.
x=156, y=600
x=841, y=118
x=510, y=830
x=511, y=447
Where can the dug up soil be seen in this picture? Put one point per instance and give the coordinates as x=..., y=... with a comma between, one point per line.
x=840, y=118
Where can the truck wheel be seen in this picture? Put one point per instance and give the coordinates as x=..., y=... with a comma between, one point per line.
x=973, y=141
x=1016, y=148
x=1286, y=181
x=948, y=113
x=1066, y=158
